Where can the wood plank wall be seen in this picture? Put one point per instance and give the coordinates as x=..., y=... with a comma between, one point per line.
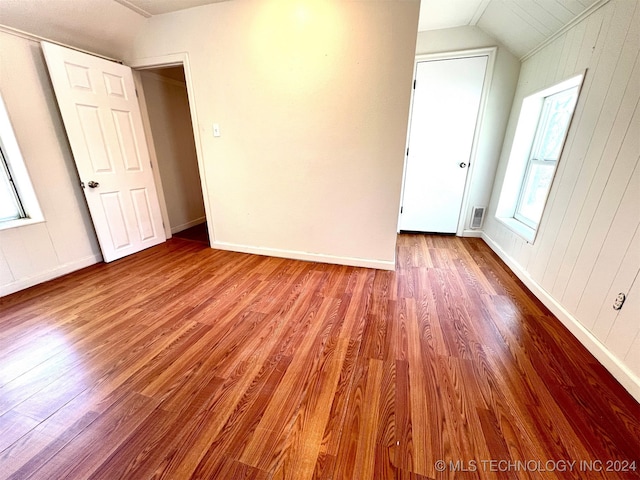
x=588, y=245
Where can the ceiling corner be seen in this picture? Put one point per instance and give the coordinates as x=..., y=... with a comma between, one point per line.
x=479, y=12
x=133, y=7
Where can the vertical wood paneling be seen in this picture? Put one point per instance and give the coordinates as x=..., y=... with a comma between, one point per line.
x=41, y=249
x=602, y=220
x=567, y=40
x=6, y=276
x=568, y=244
x=612, y=77
x=633, y=355
x=578, y=34
x=625, y=327
x=555, y=51
x=628, y=270
x=612, y=251
x=584, y=250
x=592, y=32
x=16, y=253
x=582, y=127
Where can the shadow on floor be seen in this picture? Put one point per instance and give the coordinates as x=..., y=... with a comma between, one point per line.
x=197, y=233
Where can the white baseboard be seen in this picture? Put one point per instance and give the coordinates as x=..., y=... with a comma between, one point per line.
x=310, y=257
x=472, y=233
x=628, y=379
x=184, y=226
x=49, y=274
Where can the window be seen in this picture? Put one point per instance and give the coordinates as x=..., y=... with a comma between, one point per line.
x=10, y=205
x=540, y=134
x=18, y=203
x=553, y=123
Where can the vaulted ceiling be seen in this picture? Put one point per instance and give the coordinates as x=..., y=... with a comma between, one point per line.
x=520, y=25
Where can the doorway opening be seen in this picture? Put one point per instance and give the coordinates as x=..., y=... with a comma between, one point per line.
x=165, y=99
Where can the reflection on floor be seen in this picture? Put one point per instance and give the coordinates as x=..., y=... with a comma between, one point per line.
x=197, y=233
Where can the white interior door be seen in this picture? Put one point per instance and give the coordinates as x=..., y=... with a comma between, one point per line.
x=444, y=113
x=98, y=103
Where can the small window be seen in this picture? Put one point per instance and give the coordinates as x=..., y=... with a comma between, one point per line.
x=540, y=134
x=547, y=145
x=18, y=203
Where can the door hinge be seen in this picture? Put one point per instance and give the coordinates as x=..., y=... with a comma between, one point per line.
x=137, y=96
x=407, y=152
x=414, y=84
x=401, y=208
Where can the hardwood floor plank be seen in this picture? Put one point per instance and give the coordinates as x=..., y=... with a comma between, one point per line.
x=233, y=469
x=334, y=428
x=265, y=450
x=19, y=463
x=86, y=451
x=146, y=447
x=356, y=455
x=303, y=446
x=14, y=425
x=234, y=366
x=424, y=412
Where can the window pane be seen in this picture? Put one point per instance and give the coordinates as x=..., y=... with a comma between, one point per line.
x=556, y=115
x=534, y=192
x=9, y=207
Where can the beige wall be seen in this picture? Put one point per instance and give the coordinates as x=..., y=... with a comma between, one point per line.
x=65, y=241
x=168, y=109
x=312, y=102
x=496, y=111
x=99, y=26
x=588, y=244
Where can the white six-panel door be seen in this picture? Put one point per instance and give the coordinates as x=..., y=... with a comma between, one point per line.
x=99, y=107
x=444, y=113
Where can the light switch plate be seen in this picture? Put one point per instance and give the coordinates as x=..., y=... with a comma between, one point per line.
x=216, y=130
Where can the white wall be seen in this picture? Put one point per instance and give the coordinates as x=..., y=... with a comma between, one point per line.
x=168, y=109
x=497, y=108
x=588, y=244
x=66, y=240
x=312, y=101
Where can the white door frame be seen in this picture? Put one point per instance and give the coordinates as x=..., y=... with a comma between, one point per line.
x=490, y=53
x=172, y=60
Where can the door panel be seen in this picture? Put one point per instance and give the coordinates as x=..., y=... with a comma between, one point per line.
x=100, y=111
x=444, y=113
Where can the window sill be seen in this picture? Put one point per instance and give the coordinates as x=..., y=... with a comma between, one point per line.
x=20, y=222
x=519, y=228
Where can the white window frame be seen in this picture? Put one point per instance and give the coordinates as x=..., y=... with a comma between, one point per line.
x=17, y=170
x=7, y=183
x=520, y=158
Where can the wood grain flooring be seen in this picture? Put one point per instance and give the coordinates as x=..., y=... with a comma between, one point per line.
x=183, y=362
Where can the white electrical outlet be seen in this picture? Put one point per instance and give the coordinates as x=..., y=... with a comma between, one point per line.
x=216, y=130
